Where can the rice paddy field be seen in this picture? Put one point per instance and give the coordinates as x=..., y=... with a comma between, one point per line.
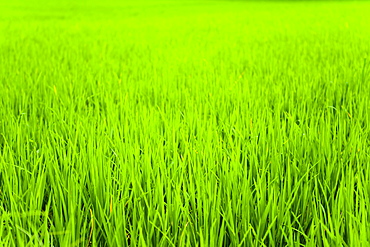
x=184, y=123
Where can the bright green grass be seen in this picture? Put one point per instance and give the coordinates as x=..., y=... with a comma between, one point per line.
x=173, y=123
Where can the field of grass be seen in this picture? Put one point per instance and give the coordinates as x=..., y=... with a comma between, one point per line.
x=184, y=123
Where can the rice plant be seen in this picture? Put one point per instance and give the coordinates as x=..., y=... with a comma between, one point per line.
x=184, y=123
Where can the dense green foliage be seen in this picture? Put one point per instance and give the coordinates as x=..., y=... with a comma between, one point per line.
x=184, y=123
